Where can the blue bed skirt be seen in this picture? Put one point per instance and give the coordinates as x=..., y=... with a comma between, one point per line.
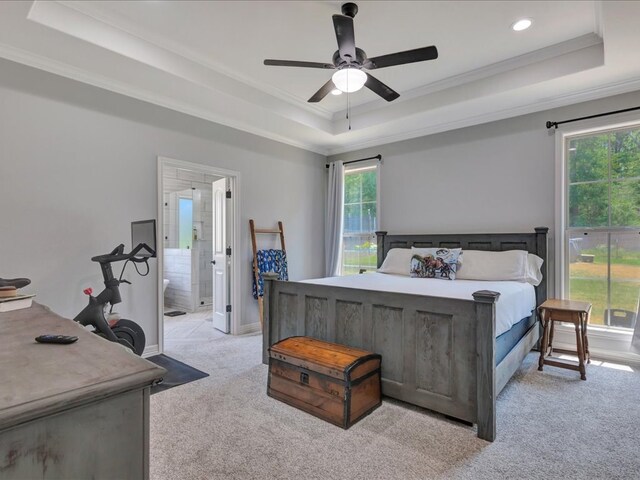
x=509, y=339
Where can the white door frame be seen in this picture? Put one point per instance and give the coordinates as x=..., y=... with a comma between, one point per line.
x=234, y=280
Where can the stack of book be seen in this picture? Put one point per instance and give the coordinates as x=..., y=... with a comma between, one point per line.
x=10, y=300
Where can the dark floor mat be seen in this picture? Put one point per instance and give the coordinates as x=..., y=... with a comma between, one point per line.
x=178, y=373
x=175, y=313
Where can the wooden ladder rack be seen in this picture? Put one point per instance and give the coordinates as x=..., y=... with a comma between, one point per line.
x=256, y=272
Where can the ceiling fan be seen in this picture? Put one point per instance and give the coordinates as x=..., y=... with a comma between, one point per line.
x=348, y=61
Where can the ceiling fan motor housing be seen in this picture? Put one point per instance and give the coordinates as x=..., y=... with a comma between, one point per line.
x=350, y=9
x=339, y=62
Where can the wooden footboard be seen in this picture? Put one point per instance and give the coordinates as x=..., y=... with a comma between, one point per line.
x=438, y=353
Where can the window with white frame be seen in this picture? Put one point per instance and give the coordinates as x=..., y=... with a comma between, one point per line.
x=601, y=237
x=360, y=219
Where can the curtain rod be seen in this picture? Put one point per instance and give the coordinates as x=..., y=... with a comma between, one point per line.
x=377, y=157
x=555, y=124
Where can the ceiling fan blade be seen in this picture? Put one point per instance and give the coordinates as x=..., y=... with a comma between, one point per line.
x=323, y=92
x=401, y=58
x=294, y=63
x=343, y=26
x=376, y=86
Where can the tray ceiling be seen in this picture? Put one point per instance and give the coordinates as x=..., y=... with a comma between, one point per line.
x=205, y=59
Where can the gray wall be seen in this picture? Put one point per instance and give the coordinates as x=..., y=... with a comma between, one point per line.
x=78, y=164
x=495, y=177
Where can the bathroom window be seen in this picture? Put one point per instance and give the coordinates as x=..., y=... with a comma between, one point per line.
x=185, y=222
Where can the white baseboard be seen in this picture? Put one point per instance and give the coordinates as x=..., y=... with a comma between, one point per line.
x=151, y=350
x=250, y=328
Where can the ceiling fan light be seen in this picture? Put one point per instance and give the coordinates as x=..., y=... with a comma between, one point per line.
x=336, y=91
x=349, y=79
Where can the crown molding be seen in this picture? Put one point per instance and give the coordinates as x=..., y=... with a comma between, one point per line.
x=450, y=100
x=85, y=29
x=68, y=71
x=85, y=8
x=65, y=70
x=539, y=106
x=266, y=115
x=510, y=64
x=584, y=41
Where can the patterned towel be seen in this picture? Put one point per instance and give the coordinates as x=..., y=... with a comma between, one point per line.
x=270, y=261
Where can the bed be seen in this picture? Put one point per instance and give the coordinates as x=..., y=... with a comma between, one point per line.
x=438, y=352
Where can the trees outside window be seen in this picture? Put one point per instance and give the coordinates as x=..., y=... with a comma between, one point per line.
x=603, y=224
x=360, y=220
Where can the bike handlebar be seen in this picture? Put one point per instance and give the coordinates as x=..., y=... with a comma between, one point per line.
x=118, y=255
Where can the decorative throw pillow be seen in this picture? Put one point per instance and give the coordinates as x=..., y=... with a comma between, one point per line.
x=435, y=263
x=431, y=250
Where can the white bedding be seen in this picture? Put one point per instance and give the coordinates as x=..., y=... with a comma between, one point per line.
x=517, y=300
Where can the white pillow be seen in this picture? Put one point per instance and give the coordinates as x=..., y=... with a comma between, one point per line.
x=516, y=265
x=534, y=272
x=397, y=262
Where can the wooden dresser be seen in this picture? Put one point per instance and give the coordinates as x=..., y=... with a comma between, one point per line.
x=70, y=411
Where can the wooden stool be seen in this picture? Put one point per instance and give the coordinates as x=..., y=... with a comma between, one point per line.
x=569, y=311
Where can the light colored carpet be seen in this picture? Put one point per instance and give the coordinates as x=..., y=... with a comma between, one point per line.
x=550, y=425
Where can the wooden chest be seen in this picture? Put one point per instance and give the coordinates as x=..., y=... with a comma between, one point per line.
x=336, y=383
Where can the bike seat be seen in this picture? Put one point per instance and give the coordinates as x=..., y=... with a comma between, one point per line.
x=14, y=282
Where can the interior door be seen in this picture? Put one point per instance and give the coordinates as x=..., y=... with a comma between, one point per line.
x=220, y=259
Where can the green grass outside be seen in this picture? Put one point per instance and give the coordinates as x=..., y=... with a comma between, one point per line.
x=365, y=260
x=625, y=283
x=352, y=270
x=618, y=256
x=624, y=295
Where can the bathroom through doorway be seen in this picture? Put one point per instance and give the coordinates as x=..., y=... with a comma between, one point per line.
x=197, y=222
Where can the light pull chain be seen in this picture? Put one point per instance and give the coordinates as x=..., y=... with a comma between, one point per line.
x=348, y=104
x=349, y=109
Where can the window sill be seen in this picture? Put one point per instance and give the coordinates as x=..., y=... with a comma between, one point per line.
x=604, y=344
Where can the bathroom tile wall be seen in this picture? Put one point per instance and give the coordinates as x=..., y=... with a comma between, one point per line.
x=177, y=269
x=199, y=282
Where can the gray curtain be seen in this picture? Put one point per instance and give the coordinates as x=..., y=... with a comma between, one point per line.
x=333, y=222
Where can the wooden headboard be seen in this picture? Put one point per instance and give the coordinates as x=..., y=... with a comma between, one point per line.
x=535, y=242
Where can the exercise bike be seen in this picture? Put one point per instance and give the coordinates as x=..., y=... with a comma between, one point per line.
x=124, y=332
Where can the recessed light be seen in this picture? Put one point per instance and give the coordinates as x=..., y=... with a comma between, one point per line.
x=335, y=91
x=522, y=24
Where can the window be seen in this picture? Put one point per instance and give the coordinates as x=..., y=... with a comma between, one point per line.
x=185, y=222
x=360, y=219
x=602, y=224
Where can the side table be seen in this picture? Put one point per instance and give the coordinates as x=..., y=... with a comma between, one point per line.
x=569, y=311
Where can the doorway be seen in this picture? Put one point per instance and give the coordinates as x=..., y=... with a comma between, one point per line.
x=197, y=281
